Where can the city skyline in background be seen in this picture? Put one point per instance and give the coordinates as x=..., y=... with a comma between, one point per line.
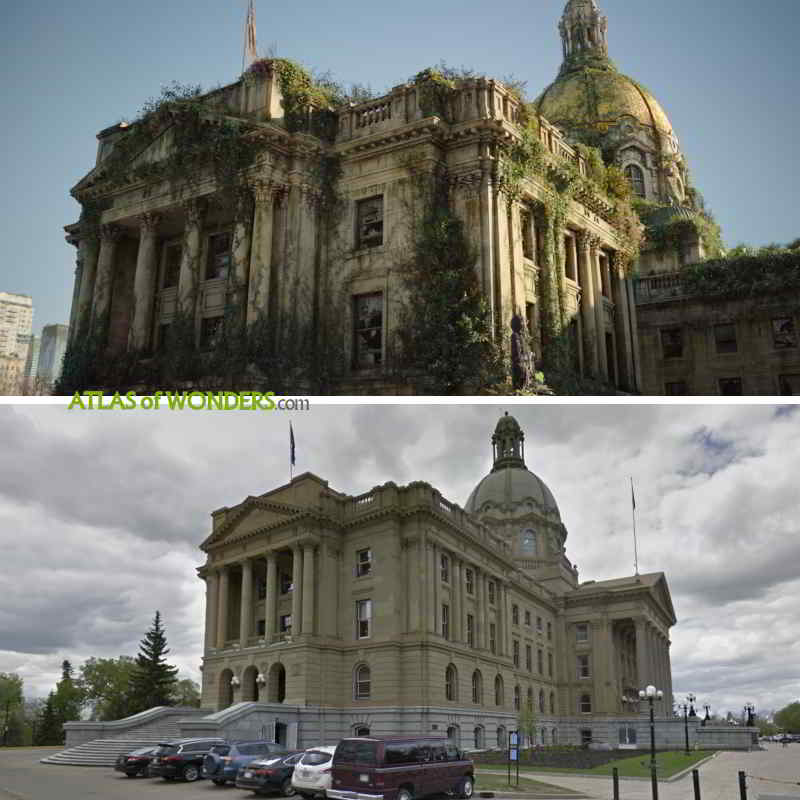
x=723, y=74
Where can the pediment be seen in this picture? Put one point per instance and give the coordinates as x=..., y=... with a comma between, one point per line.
x=253, y=516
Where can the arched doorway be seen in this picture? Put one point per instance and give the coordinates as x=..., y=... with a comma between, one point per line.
x=453, y=735
x=280, y=733
x=276, y=683
x=225, y=690
x=249, y=685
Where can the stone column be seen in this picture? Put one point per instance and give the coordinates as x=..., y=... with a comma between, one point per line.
x=487, y=227
x=270, y=602
x=308, y=588
x=297, y=590
x=642, y=674
x=88, y=252
x=191, y=268
x=246, y=610
x=486, y=615
x=212, y=585
x=600, y=311
x=623, y=325
x=437, y=578
x=76, y=287
x=478, y=609
x=588, y=320
x=222, y=608
x=427, y=588
x=462, y=603
x=260, y=252
x=549, y=283
x=238, y=279
x=109, y=236
x=455, y=622
x=144, y=283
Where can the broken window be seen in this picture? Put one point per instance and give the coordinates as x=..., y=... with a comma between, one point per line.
x=783, y=333
x=172, y=265
x=725, y=338
x=210, y=332
x=672, y=342
x=369, y=222
x=368, y=316
x=635, y=177
x=219, y=256
x=526, y=227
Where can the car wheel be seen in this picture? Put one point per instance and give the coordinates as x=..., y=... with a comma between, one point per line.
x=287, y=790
x=465, y=788
x=130, y=774
x=218, y=781
x=404, y=794
x=190, y=773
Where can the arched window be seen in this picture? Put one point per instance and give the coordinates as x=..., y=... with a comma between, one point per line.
x=530, y=698
x=360, y=730
x=635, y=177
x=477, y=687
x=528, y=545
x=451, y=683
x=498, y=691
x=552, y=702
x=585, y=704
x=516, y=697
x=478, y=735
x=541, y=700
x=501, y=737
x=361, y=682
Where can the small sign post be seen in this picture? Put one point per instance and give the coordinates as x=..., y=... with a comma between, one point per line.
x=513, y=754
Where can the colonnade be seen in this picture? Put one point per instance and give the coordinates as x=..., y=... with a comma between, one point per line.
x=653, y=661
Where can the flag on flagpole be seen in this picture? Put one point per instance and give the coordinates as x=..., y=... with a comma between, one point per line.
x=291, y=445
x=633, y=497
x=250, y=35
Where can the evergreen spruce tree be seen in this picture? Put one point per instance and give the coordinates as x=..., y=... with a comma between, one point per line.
x=68, y=698
x=48, y=726
x=153, y=680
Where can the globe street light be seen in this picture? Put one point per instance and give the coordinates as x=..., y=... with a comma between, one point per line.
x=749, y=708
x=651, y=694
x=707, y=717
x=688, y=711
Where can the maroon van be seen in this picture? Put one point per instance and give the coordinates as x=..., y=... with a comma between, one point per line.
x=377, y=768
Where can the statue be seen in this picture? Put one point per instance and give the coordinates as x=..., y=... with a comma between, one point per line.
x=521, y=357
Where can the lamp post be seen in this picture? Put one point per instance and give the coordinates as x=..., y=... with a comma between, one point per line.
x=749, y=708
x=651, y=694
x=688, y=711
x=707, y=717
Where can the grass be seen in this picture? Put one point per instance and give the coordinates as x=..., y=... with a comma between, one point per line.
x=489, y=782
x=637, y=766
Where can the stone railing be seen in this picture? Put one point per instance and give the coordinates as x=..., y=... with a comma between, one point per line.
x=658, y=288
x=553, y=140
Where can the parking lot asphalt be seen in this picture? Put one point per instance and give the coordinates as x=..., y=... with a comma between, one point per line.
x=22, y=777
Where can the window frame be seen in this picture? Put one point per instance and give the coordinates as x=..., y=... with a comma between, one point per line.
x=671, y=339
x=726, y=346
x=581, y=628
x=363, y=623
x=363, y=567
x=211, y=255
x=444, y=568
x=358, y=683
x=583, y=669
x=445, y=611
x=363, y=242
x=362, y=349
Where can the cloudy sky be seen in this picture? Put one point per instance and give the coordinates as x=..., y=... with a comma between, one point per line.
x=101, y=515
x=725, y=73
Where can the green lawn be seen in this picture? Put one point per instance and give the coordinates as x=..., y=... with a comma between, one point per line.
x=488, y=782
x=637, y=766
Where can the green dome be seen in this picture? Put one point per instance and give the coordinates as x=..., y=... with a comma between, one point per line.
x=590, y=100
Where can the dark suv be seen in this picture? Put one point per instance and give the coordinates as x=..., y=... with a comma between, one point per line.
x=371, y=768
x=224, y=760
x=182, y=758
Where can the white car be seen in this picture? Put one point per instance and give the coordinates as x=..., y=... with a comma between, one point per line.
x=312, y=773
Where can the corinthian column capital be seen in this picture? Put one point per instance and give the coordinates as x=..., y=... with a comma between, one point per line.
x=110, y=233
x=195, y=209
x=149, y=221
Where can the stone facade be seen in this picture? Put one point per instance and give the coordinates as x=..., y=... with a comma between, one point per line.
x=398, y=611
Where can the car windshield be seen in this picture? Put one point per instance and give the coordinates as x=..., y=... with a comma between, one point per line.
x=314, y=758
x=166, y=750
x=220, y=749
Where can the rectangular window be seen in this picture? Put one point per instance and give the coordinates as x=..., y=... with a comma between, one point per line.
x=261, y=627
x=540, y=661
x=585, y=704
x=491, y=592
x=586, y=736
x=528, y=658
x=783, y=333
x=730, y=386
x=526, y=228
x=515, y=615
x=515, y=651
x=470, y=630
x=581, y=632
x=528, y=617
x=286, y=583
x=210, y=332
x=672, y=342
x=363, y=563
x=492, y=638
x=725, y=338
x=550, y=665
x=163, y=336
x=369, y=222
x=445, y=621
x=172, y=266
x=218, y=263
x=627, y=736
x=261, y=588
x=583, y=667
x=539, y=624
x=285, y=623
x=444, y=563
x=549, y=631
x=368, y=330
x=469, y=580
x=676, y=388
x=363, y=618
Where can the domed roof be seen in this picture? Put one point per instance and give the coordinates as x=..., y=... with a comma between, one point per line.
x=593, y=100
x=511, y=489
x=511, y=486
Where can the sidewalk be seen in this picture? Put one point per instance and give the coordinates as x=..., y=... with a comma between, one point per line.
x=719, y=778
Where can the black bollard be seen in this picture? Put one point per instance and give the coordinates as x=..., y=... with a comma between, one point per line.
x=742, y=786
x=654, y=782
x=615, y=777
x=696, y=782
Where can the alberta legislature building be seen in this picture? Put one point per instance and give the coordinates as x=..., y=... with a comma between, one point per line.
x=268, y=207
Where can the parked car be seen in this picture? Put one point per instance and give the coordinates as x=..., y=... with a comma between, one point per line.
x=368, y=768
x=182, y=758
x=312, y=775
x=224, y=760
x=136, y=762
x=269, y=774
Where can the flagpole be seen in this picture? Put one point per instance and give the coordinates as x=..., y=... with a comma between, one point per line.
x=633, y=517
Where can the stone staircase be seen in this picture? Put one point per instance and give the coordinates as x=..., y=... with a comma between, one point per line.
x=103, y=752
